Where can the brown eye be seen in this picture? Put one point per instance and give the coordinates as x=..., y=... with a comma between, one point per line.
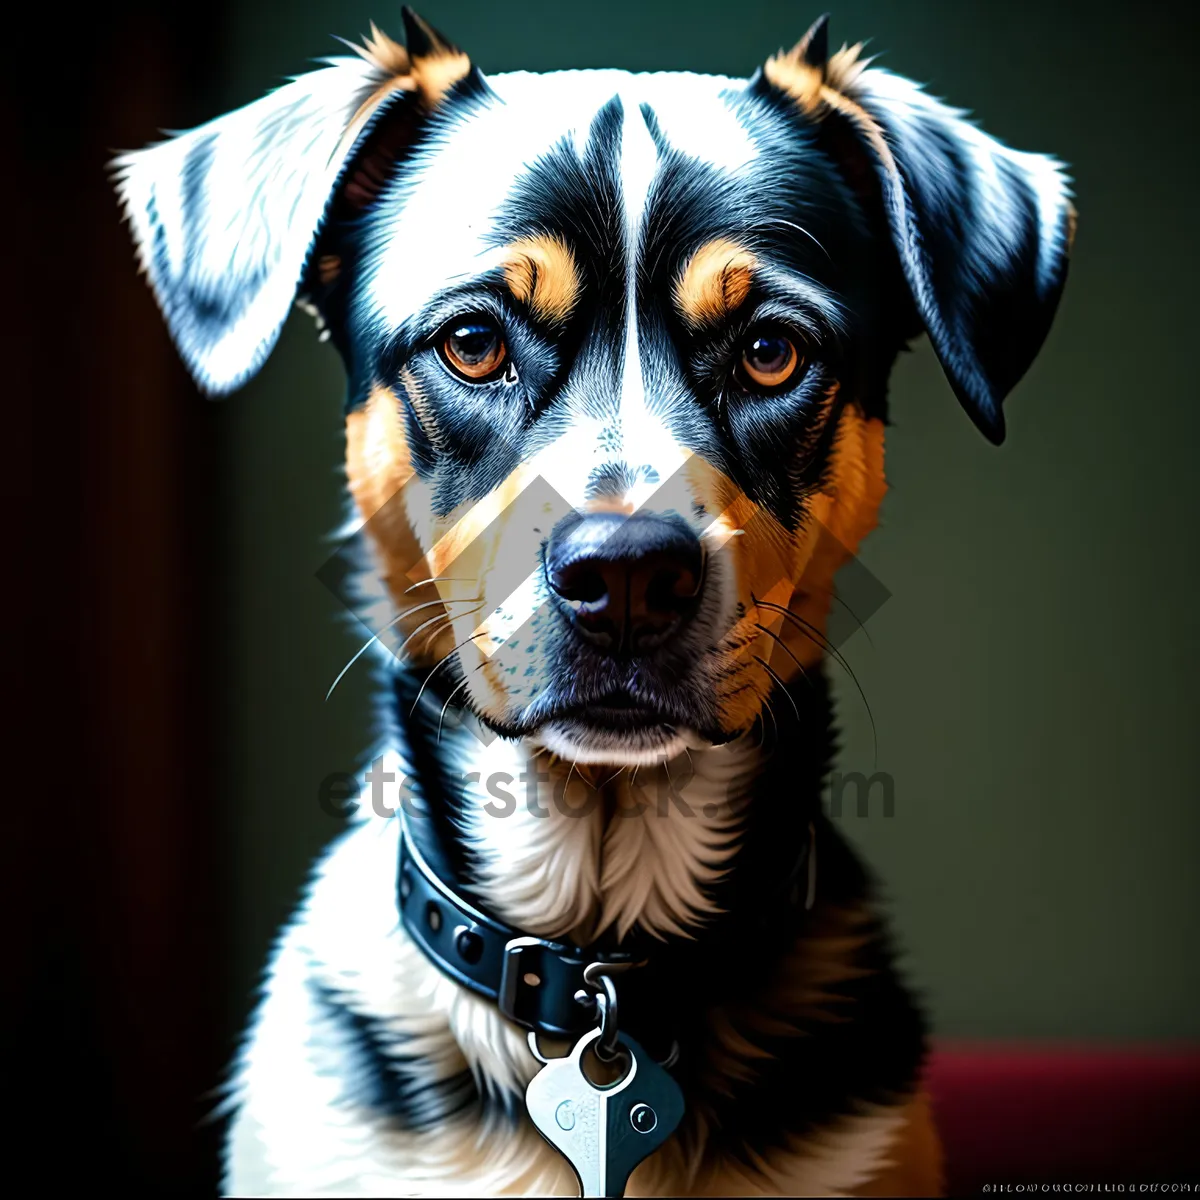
x=769, y=360
x=474, y=348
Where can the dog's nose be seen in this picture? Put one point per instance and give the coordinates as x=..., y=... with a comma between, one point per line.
x=627, y=582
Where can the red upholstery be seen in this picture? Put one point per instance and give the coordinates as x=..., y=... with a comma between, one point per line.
x=1033, y=1114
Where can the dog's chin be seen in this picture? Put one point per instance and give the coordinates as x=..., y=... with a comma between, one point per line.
x=581, y=741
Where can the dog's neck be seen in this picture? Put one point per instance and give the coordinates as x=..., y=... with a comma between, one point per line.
x=562, y=851
x=600, y=850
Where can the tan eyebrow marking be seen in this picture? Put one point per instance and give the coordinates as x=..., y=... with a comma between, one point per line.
x=540, y=271
x=715, y=282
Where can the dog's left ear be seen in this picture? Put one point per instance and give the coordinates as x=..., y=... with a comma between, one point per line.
x=982, y=232
x=225, y=216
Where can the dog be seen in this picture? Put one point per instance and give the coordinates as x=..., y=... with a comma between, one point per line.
x=617, y=349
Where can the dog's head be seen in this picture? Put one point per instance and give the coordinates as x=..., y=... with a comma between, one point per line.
x=617, y=346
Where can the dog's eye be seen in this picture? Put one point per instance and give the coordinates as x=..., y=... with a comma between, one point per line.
x=769, y=360
x=474, y=348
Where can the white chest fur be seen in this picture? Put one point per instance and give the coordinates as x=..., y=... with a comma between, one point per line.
x=572, y=857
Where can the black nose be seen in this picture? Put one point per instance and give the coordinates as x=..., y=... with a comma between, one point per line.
x=627, y=582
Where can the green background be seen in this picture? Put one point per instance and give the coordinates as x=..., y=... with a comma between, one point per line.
x=1032, y=677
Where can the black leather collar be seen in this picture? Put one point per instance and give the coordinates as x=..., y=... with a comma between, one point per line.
x=533, y=981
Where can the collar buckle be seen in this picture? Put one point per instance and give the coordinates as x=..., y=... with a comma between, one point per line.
x=525, y=974
x=549, y=987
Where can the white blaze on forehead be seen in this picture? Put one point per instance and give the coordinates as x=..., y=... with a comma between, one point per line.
x=696, y=120
x=639, y=166
x=644, y=439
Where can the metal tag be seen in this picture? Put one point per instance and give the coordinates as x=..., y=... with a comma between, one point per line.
x=604, y=1132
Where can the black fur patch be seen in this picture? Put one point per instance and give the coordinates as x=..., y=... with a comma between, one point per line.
x=378, y=1070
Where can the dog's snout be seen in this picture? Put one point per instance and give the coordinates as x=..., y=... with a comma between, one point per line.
x=627, y=582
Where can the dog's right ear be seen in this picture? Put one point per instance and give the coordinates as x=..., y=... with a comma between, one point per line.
x=225, y=216
x=982, y=232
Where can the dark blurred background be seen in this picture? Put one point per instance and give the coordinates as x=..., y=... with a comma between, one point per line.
x=1032, y=678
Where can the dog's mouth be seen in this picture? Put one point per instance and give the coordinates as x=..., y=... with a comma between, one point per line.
x=619, y=722
x=617, y=712
x=615, y=727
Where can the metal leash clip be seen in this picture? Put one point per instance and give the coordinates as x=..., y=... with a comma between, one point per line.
x=603, y=997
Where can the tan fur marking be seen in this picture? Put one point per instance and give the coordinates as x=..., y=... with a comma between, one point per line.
x=791, y=74
x=715, y=282
x=437, y=71
x=329, y=266
x=805, y=83
x=378, y=470
x=436, y=76
x=431, y=76
x=845, y=66
x=813, y=88
x=386, y=54
x=377, y=458
x=847, y=510
x=916, y=1167
x=793, y=570
x=541, y=272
